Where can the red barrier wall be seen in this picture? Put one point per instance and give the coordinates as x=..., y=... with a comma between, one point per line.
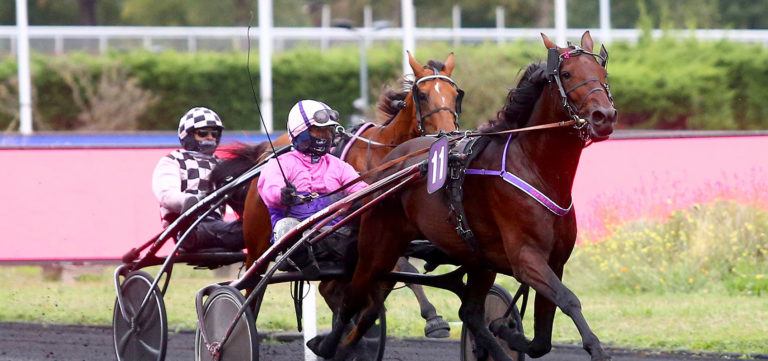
x=98, y=203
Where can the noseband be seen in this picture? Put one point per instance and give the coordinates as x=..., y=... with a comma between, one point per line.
x=415, y=92
x=554, y=61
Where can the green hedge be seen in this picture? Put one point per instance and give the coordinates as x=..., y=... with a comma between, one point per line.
x=663, y=84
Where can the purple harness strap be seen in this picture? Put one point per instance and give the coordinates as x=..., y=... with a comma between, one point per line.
x=352, y=140
x=522, y=185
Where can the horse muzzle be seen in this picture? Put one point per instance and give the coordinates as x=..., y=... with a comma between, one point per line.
x=601, y=121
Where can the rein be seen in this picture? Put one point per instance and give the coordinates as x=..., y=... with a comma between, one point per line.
x=357, y=136
x=562, y=123
x=457, y=137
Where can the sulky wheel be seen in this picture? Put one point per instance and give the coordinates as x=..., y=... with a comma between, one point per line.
x=372, y=344
x=139, y=334
x=219, y=310
x=496, y=303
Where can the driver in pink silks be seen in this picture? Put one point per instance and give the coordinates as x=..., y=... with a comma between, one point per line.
x=311, y=173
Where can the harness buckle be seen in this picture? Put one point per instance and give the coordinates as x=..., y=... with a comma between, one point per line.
x=455, y=162
x=465, y=234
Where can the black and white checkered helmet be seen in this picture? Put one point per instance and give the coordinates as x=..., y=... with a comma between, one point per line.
x=198, y=117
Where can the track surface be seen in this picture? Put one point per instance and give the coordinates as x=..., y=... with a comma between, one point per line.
x=27, y=342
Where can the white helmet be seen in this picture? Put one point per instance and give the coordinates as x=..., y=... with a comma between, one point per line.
x=307, y=113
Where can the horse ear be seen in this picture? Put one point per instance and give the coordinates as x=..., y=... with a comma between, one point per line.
x=586, y=42
x=548, y=43
x=418, y=70
x=449, y=64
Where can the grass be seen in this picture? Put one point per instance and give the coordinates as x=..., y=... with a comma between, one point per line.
x=707, y=321
x=696, y=281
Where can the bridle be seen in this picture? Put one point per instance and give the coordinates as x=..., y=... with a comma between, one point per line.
x=554, y=61
x=415, y=92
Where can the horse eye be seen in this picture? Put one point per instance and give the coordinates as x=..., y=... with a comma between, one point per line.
x=566, y=75
x=422, y=97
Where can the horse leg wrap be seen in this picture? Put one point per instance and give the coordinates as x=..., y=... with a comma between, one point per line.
x=437, y=327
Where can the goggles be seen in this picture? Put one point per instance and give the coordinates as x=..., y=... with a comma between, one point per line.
x=322, y=116
x=204, y=133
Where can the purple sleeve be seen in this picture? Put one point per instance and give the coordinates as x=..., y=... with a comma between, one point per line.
x=270, y=183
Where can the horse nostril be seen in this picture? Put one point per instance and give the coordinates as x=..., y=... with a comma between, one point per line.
x=600, y=116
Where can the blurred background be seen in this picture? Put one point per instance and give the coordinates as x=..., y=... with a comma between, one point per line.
x=672, y=210
x=674, y=64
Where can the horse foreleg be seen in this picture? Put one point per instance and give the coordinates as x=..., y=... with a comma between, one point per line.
x=436, y=326
x=357, y=297
x=472, y=313
x=366, y=319
x=550, y=291
x=326, y=345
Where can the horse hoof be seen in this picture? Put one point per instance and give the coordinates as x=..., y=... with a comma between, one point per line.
x=362, y=351
x=437, y=327
x=316, y=345
x=602, y=357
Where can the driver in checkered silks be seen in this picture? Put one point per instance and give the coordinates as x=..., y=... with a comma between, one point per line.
x=308, y=174
x=181, y=179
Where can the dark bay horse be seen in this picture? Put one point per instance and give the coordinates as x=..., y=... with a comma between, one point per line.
x=529, y=237
x=439, y=101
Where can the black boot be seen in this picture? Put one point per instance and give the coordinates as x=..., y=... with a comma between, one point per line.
x=303, y=259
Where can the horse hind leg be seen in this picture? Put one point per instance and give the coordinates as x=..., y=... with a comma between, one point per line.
x=436, y=326
x=471, y=313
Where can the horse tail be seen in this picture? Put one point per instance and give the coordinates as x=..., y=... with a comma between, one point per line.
x=237, y=160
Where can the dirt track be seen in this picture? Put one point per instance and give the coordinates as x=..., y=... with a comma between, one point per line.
x=27, y=342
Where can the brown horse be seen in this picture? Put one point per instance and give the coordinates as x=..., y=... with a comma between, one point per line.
x=526, y=236
x=437, y=110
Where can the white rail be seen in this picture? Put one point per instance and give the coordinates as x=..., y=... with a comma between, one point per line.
x=103, y=38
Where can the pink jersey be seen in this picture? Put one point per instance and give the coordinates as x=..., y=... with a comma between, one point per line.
x=325, y=176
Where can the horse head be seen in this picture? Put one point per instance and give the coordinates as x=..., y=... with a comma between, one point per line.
x=581, y=80
x=435, y=97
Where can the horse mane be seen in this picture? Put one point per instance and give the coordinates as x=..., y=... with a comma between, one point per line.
x=436, y=65
x=385, y=107
x=520, y=100
x=237, y=159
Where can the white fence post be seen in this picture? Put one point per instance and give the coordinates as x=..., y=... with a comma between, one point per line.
x=25, y=84
x=456, y=21
x=409, y=38
x=561, y=22
x=367, y=24
x=605, y=21
x=309, y=313
x=147, y=43
x=58, y=45
x=103, y=44
x=325, y=24
x=265, y=62
x=499, y=25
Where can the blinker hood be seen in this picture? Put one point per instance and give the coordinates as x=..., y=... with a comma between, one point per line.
x=553, y=60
